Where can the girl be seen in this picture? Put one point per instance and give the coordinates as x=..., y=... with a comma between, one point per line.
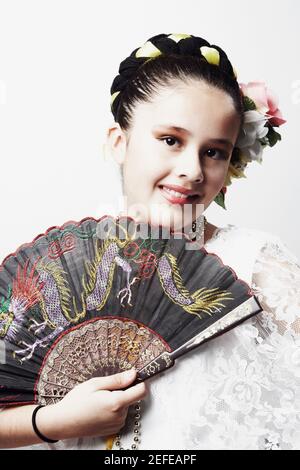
x=183, y=128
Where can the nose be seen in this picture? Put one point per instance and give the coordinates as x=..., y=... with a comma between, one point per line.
x=188, y=166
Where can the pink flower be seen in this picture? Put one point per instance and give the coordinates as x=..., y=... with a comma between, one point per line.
x=265, y=100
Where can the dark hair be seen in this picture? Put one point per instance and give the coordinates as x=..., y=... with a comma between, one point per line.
x=141, y=77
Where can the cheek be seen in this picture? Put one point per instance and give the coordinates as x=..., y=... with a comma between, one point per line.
x=145, y=165
x=133, y=167
x=140, y=174
x=215, y=175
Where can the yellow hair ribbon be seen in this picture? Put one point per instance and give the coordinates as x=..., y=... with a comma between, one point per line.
x=113, y=97
x=148, y=50
x=178, y=36
x=211, y=55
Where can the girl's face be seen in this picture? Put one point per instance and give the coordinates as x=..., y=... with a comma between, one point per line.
x=182, y=140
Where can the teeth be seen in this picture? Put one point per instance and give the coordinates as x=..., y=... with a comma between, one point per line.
x=176, y=193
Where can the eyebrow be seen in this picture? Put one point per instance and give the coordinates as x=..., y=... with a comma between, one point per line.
x=185, y=131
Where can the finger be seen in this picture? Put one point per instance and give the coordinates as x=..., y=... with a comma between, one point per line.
x=115, y=381
x=132, y=394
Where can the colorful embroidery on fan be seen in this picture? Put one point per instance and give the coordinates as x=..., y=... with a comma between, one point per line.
x=45, y=285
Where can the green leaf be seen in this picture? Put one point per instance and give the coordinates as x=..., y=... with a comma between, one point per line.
x=249, y=104
x=273, y=136
x=220, y=200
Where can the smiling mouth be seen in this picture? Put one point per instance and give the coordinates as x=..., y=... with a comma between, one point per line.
x=175, y=197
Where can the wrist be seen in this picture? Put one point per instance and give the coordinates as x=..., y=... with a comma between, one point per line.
x=49, y=424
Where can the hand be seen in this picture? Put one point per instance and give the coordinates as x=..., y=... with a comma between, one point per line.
x=96, y=407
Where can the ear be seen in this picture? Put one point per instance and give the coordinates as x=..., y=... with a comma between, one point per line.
x=116, y=143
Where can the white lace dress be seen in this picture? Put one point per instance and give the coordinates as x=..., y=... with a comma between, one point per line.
x=241, y=390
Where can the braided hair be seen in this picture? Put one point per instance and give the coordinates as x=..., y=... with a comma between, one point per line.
x=166, y=58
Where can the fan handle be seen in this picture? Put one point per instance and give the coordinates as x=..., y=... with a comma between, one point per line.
x=233, y=318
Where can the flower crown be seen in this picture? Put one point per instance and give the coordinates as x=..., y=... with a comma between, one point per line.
x=261, y=114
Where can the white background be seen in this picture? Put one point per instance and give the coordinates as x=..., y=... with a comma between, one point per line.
x=58, y=59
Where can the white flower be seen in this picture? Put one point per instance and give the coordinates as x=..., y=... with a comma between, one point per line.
x=252, y=130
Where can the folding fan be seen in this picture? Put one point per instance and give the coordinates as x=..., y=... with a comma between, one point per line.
x=97, y=297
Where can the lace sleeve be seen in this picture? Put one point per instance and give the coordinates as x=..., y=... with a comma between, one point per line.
x=276, y=283
x=248, y=381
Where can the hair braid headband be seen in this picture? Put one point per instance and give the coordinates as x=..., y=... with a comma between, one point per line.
x=261, y=113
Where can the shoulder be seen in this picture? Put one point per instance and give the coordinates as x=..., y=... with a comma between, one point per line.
x=232, y=233
x=238, y=247
x=241, y=247
x=249, y=235
x=261, y=242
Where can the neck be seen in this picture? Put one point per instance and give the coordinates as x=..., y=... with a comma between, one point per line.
x=209, y=231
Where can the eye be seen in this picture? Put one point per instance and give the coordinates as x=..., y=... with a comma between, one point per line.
x=170, y=140
x=221, y=155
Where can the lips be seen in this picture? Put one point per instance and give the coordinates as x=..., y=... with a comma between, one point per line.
x=180, y=189
x=178, y=194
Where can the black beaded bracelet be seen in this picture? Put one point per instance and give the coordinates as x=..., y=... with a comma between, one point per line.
x=38, y=433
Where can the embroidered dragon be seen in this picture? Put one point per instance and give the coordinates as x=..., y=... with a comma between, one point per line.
x=46, y=285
